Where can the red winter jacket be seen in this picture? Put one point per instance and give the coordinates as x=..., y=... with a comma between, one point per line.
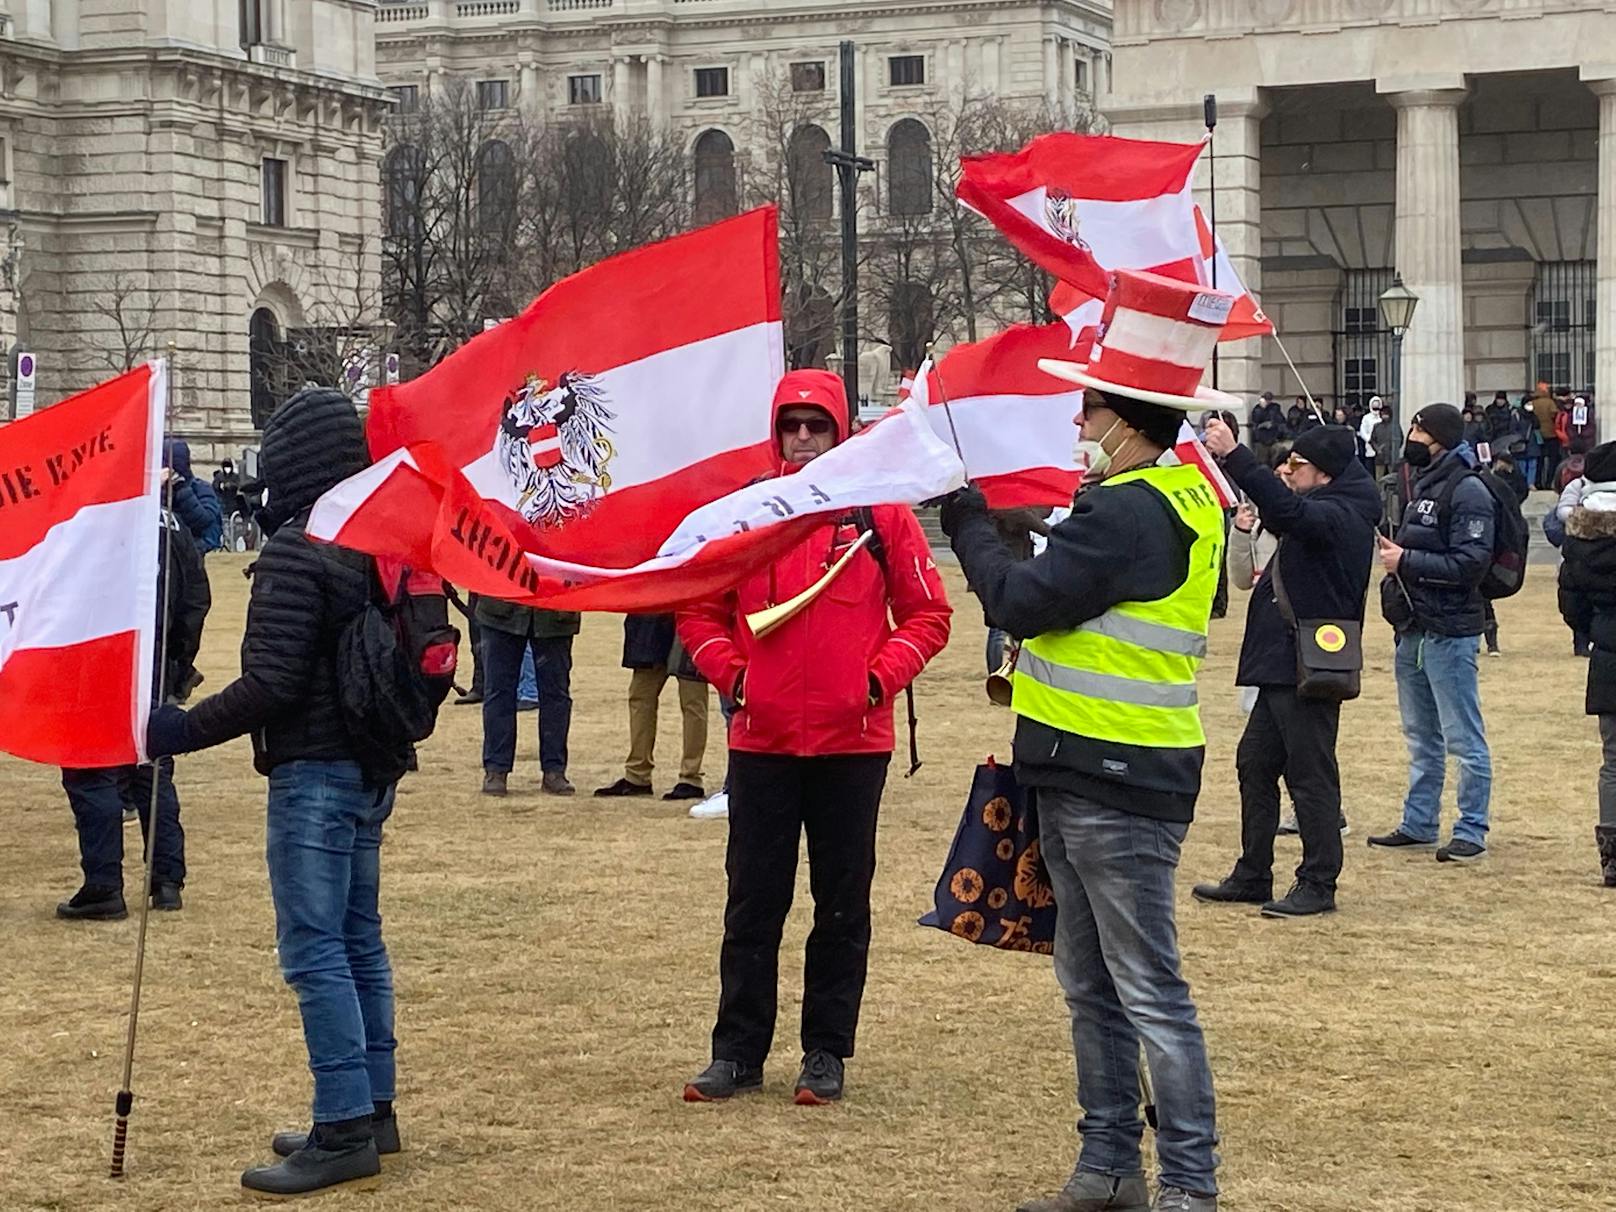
x=807, y=688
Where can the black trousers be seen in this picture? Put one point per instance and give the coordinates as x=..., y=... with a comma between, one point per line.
x=1295, y=737
x=773, y=800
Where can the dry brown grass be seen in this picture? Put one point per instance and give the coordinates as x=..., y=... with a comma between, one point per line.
x=1441, y=1043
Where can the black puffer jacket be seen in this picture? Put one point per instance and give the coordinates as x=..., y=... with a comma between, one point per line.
x=1447, y=551
x=1327, y=548
x=1588, y=596
x=303, y=594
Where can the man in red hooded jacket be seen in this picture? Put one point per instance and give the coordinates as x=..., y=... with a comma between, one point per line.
x=809, y=748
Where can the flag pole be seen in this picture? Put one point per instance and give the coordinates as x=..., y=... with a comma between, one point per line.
x=1209, y=111
x=948, y=411
x=1300, y=382
x=126, y=1097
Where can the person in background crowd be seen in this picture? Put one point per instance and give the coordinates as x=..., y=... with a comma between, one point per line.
x=1385, y=438
x=100, y=797
x=1110, y=745
x=328, y=800
x=1267, y=428
x=1432, y=598
x=1339, y=417
x=1579, y=426
x=193, y=501
x=508, y=631
x=1475, y=432
x=1324, y=507
x=227, y=489
x=1547, y=415
x=1526, y=442
x=1588, y=605
x=809, y=750
x=1366, y=434
x=1505, y=469
x=1554, y=524
x=1496, y=416
x=654, y=654
x=474, y=640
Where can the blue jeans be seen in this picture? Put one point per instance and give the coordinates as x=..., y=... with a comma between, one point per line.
x=1440, y=703
x=98, y=798
x=1116, y=955
x=997, y=639
x=325, y=836
x=502, y=669
x=527, y=686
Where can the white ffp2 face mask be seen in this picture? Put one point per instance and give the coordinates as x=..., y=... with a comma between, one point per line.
x=1091, y=455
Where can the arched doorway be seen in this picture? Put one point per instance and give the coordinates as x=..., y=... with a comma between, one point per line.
x=263, y=354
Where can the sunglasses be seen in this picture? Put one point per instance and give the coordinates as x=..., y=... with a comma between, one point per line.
x=818, y=426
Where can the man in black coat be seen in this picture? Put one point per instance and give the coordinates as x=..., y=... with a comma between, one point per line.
x=1431, y=595
x=1325, y=512
x=1267, y=428
x=328, y=799
x=1588, y=605
x=99, y=797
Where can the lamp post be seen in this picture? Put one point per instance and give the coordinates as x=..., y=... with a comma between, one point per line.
x=1397, y=306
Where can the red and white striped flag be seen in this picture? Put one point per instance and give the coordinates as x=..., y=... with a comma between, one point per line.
x=656, y=369
x=1190, y=450
x=1081, y=205
x=1248, y=318
x=1014, y=421
x=906, y=384
x=79, y=512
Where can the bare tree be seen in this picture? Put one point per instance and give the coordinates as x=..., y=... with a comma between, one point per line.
x=345, y=334
x=130, y=334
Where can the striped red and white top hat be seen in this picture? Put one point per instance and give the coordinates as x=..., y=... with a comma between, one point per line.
x=1155, y=341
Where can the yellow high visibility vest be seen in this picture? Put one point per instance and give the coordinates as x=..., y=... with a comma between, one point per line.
x=1129, y=675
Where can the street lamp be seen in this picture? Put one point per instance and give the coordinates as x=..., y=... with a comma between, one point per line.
x=1397, y=306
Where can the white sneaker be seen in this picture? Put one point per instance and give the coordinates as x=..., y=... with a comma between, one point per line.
x=713, y=808
x=1288, y=826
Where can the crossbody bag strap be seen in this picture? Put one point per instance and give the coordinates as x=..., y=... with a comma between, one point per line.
x=1281, y=598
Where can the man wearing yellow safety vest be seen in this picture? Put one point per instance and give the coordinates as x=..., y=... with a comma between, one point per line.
x=1109, y=745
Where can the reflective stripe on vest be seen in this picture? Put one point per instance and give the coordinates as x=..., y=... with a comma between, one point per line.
x=1129, y=675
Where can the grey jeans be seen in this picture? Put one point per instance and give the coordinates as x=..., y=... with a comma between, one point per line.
x=1116, y=956
x=1607, y=772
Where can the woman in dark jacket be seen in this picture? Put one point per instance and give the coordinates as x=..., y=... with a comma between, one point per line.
x=1588, y=605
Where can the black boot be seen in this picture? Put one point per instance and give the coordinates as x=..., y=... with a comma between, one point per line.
x=1234, y=891
x=1605, y=836
x=383, y=1126
x=93, y=904
x=340, y=1154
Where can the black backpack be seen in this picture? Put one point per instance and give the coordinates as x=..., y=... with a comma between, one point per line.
x=1507, y=572
x=396, y=662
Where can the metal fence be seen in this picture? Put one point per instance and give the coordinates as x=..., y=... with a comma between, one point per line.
x=1365, y=353
x=1560, y=325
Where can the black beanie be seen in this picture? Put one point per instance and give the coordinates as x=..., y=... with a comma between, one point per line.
x=1600, y=463
x=1443, y=422
x=1157, y=422
x=1330, y=448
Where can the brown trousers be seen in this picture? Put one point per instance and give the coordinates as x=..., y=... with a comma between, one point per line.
x=644, y=695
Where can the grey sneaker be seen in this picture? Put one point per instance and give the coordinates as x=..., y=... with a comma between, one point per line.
x=1087, y=1191
x=1288, y=826
x=1461, y=851
x=1176, y=1199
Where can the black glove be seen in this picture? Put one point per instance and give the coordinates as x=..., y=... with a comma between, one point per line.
x=165, y=731
x=959, y=505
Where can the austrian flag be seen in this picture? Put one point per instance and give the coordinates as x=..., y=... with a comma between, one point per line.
x=79, y=513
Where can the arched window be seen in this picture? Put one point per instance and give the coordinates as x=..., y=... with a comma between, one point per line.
x=808, y=176
x=909, y=170
x=715, y=177
x=263, y=348
x=909, y=320
x=402, y=173
x=496, y=186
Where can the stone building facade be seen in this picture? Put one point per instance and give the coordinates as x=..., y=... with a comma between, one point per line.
x=178, y=173
x=1467, y=145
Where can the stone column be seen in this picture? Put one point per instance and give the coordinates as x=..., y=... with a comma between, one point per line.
x=1238, y=147
x=1605, y=286
x=620, y=87
x=527, y=87
x=1427, y=245
x=1052, y=94
x=656, y=104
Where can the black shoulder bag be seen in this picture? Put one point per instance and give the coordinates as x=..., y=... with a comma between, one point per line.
x=1329, y=652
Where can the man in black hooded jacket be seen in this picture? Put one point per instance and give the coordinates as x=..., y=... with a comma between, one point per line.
x=327, y=799
x=1325, y=513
